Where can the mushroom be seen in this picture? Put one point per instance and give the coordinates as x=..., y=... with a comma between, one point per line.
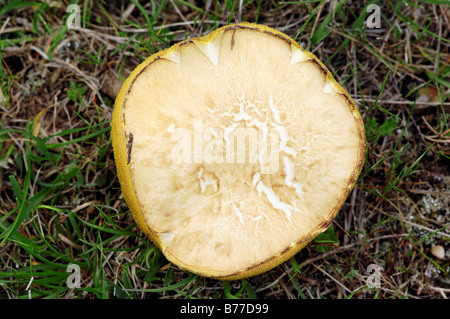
x=235, y=150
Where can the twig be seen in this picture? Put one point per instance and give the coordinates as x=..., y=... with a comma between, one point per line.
x=334, y=279
x=240, y=11
x=369, y=99
x=442, y=291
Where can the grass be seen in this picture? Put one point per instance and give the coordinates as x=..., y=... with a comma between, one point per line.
x=60, y=200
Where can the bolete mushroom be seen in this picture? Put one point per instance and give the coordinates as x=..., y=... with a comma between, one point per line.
x=235, y=150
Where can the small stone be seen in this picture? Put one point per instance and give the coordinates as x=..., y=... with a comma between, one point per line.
x=438, y=251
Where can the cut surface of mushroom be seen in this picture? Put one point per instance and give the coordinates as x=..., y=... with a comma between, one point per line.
x=244, y=148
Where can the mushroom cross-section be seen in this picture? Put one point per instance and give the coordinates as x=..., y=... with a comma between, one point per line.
x=234, y=150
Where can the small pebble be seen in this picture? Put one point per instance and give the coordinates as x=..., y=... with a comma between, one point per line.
x=438, y=251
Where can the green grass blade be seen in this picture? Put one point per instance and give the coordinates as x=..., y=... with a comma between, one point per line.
x=80, y=139
x=17, y=5
x=313, y=13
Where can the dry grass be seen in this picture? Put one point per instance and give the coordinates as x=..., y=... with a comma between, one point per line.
x=60, y=200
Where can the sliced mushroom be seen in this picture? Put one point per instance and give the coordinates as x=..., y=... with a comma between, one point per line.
x=235, y=150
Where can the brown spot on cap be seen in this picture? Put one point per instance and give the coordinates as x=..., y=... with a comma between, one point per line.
x=129, y=146
x=323, y=69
